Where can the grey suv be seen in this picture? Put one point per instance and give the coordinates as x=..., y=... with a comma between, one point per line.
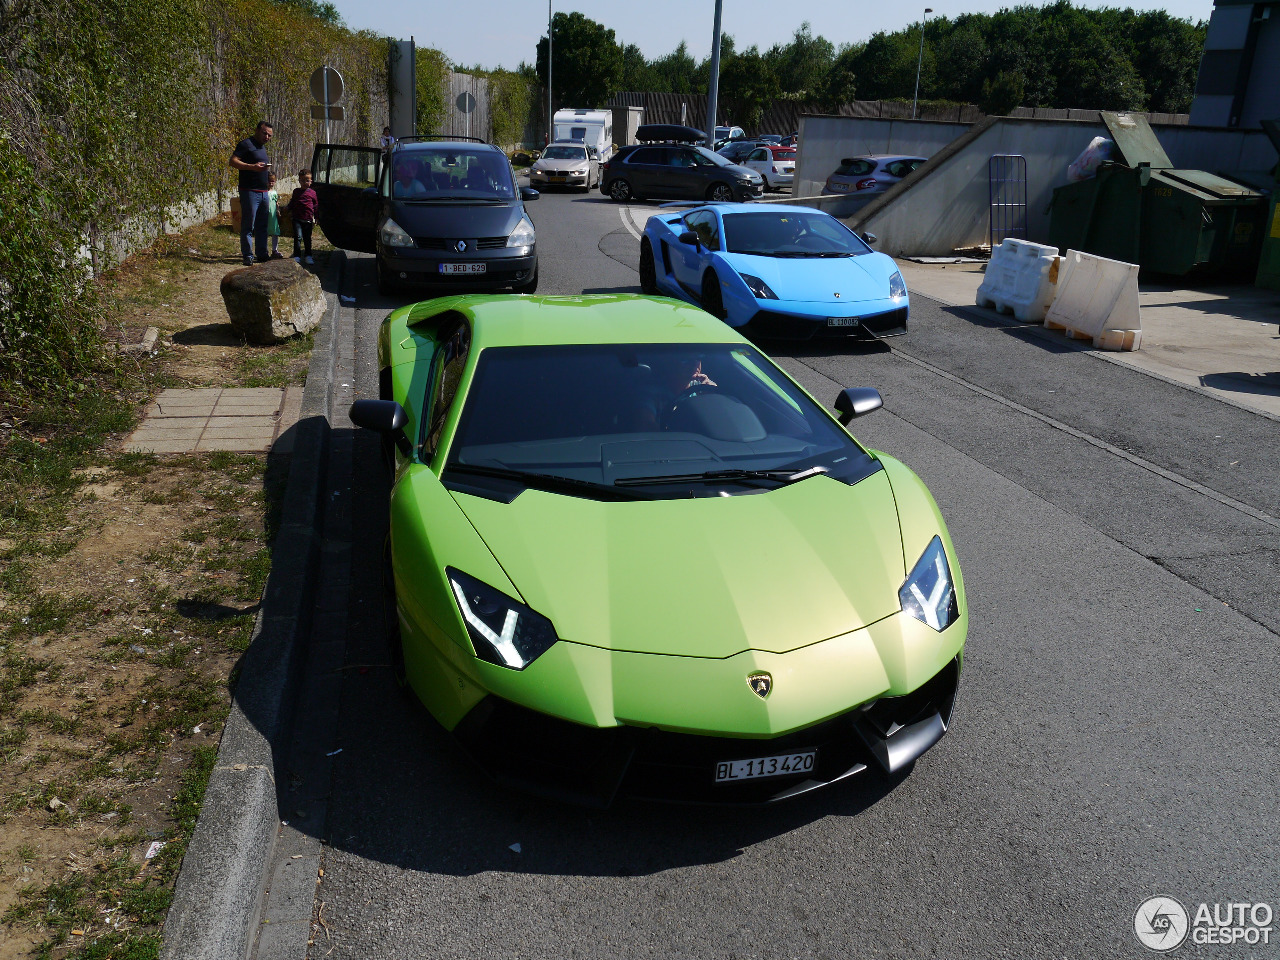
x=677, y=171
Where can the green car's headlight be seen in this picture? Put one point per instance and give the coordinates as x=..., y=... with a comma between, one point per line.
x=502, y=630
x=929, y=594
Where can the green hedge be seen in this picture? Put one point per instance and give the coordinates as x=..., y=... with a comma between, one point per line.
x=117, y=109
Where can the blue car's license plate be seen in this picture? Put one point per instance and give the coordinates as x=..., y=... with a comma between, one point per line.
x=842, y=321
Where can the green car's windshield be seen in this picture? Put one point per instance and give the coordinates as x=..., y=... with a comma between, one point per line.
x=675, y=420
x=786, y=233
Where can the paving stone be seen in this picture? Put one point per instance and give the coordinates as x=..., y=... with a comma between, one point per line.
x=241, y=420
x=258, y=393
x=160, y=430
x=243, y=446
x=159, y=446
x=202, y=409
x=248, y=432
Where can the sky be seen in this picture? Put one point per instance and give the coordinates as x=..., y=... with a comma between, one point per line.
x=501, y=33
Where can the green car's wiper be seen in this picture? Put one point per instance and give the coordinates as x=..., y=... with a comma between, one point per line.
x=543, y=481
x=710, y=476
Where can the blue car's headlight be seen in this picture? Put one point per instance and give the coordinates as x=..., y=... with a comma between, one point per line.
x=897, y=286
x=759, y=289
x=503, y=631
x=929, y=594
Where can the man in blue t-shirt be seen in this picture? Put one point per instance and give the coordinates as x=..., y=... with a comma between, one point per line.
x=250, y=158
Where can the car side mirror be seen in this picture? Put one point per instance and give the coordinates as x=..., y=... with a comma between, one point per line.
x=855, y=402
x=528, y=193
x=386, y=417
x=690, y=238
x=868, y=238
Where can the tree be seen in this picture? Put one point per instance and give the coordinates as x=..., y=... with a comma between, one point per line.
x=747, y=86
x=803, y=64
x=319, y=9
x=1001, y=95
x=636, y=74
x=677, y=72
x=588, y=61
x=841, y=82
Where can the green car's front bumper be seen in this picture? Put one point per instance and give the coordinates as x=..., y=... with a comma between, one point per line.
x=586, y=724
x=539, y=753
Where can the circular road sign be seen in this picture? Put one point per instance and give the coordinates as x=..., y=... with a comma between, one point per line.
x=466, y=102
x=335, y=85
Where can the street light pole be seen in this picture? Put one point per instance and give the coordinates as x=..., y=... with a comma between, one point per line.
x=920, y=61
x=550, y=117
x=714, y=92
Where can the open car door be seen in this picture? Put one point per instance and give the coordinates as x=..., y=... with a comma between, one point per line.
x=345, y=180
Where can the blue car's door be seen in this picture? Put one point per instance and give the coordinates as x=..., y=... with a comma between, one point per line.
x=689, y=261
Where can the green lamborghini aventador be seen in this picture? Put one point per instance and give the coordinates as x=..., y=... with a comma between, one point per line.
x=631, y=556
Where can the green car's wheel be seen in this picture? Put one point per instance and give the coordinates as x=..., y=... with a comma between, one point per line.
x=720, y=192
x=648, y=270
x=712, y=301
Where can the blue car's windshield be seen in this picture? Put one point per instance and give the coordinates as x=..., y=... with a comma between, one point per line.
x=638, y=416
x=786, y=233
x=439, y=173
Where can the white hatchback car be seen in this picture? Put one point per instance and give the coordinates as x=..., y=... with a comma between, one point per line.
x=776, y=164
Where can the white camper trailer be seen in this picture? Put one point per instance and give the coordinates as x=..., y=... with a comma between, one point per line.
x=592, y=127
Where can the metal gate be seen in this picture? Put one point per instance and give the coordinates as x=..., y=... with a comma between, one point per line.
x=1007, y=192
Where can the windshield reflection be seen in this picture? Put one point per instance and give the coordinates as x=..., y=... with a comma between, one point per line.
x=610, y=415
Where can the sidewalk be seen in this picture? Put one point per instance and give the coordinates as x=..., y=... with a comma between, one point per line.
x=1221, y=339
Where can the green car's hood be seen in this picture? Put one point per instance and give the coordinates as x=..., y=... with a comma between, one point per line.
x=704, y=577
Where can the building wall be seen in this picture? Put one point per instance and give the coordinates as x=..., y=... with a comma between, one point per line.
x=1239, y=79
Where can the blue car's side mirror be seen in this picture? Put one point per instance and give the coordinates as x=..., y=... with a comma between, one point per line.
x=689, y=237
x=528, y=193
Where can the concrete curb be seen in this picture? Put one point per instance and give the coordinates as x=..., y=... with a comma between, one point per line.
x=219, y=888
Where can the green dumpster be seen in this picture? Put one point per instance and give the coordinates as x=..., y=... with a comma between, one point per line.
x=1141, y=210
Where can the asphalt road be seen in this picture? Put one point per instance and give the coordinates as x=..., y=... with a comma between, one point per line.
x=1116, y=735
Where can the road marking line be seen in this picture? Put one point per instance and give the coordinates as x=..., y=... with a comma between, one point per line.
x=625, y=213
x=1137, y=461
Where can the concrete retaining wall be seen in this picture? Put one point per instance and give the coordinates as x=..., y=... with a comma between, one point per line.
x=825, y=141
x=943, y=206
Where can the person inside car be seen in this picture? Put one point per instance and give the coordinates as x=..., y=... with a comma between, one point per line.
x=407, y=185
x=669, y=377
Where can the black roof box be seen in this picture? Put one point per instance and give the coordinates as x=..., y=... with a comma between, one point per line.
x=654, y=132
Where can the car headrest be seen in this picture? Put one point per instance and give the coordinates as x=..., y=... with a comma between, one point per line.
x=717, y=416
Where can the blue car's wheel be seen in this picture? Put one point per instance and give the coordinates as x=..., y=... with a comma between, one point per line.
x=712, y=301
x=648, y=271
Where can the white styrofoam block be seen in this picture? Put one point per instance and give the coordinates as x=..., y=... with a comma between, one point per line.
x=1097, y=298
x=1020, y=279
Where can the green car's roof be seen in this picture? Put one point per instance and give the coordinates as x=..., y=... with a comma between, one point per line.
x=502, y=320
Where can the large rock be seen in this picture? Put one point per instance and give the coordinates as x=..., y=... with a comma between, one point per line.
x=273, y=301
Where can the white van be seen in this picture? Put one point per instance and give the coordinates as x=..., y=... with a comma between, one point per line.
x=592, y=127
